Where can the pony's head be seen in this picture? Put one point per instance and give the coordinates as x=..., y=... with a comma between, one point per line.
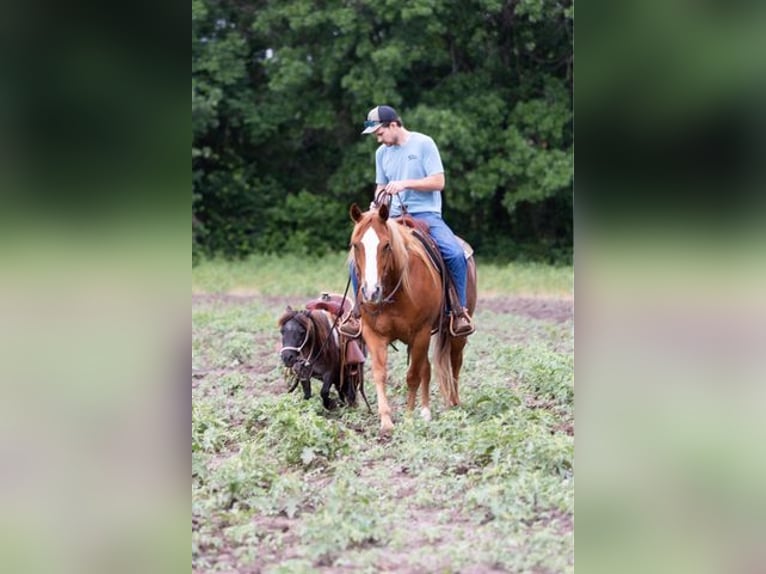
x=379, y=253
x=294, y=328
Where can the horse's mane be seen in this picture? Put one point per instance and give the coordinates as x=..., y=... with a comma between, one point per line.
x=403, y=245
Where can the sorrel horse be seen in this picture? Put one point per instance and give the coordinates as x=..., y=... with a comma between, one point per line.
x=401, y=297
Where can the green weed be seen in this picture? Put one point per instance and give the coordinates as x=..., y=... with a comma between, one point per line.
x=281, y=485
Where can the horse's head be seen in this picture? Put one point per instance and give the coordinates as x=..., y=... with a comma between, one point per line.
x=295, y=331
x=377, y=249
x=293, y=327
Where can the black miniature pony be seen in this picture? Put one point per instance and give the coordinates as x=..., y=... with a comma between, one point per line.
x=313, y=348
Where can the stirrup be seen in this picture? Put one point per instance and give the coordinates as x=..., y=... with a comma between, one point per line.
x=468, y=329
x=345, y=325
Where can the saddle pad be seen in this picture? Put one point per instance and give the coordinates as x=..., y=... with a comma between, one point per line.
x=467, y=249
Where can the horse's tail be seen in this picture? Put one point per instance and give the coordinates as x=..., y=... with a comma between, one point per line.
x=443, y=365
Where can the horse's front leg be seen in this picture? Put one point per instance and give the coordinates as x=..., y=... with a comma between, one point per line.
x=346, y=389
x=419, y=373
x=457, y=344
x=306, y=386
x=327, y=381
x=379, y=353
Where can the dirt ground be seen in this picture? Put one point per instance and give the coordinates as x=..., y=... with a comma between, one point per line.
x=544, y=309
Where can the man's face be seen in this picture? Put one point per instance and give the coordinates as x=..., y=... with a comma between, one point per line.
x=386, y=135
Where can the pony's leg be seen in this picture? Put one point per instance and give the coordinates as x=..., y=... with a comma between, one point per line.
x=347, y=389
x=379, y=353
x=327, y=381
x=419, y=373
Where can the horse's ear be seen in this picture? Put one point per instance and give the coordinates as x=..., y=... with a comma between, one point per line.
x=383, y=212
x=285, y=316
x=355, y=212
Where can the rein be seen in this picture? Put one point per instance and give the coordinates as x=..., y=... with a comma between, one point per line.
x=390, y=297
x=337, y=317
x=380, y=198
x=388, y=199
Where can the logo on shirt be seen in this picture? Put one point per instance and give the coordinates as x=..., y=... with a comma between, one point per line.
x=412, y=156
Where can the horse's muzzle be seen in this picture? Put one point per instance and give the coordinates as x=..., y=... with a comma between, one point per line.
x=372, y=295
x=289, y=358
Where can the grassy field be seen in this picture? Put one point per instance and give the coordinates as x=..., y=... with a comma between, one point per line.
x=281, y=485
x=290, y=275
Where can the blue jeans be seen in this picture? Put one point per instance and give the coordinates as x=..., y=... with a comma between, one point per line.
x=451, y=250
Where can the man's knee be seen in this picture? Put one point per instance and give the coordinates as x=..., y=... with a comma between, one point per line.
x=454, y=256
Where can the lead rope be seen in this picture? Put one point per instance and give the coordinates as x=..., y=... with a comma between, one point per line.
x=359, y=386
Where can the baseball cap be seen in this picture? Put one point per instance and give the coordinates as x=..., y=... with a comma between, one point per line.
x=378, y=116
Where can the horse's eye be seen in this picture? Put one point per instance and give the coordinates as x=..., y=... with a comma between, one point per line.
x=387, y=247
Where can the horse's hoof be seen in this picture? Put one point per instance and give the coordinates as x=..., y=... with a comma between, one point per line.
x=425, y=412
x=330, y=404
x=385, y=436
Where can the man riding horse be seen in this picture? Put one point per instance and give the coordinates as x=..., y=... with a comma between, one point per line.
x=409, y=172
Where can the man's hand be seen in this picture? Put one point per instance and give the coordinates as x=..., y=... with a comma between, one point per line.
x=394, y=187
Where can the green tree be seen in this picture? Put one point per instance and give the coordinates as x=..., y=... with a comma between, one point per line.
x=279, y=91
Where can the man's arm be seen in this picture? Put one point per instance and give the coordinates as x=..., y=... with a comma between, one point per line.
x=433, y=182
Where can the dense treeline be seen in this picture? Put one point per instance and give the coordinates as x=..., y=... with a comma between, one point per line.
x=280, y=90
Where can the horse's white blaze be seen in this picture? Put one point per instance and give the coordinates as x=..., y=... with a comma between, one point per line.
x=370, y=241
x=425, y=412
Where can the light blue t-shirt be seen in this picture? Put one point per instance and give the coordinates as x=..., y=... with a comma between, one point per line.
x=416, y=159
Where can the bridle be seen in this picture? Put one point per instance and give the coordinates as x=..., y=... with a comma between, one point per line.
x=390, y=297
x=299, y=350
x=377, y=203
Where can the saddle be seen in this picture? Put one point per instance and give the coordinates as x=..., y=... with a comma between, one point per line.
x=420, y=230
x=352, y=353
x=333, y=303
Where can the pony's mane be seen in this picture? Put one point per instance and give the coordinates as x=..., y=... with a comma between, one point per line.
x=403, y=245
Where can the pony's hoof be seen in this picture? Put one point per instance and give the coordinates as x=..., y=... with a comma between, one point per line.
x=330, y=404
x=425, y=412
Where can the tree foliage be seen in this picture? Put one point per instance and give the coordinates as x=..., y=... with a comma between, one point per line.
x=280, y=90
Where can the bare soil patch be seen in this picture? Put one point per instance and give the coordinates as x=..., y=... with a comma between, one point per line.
x=545, y=309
